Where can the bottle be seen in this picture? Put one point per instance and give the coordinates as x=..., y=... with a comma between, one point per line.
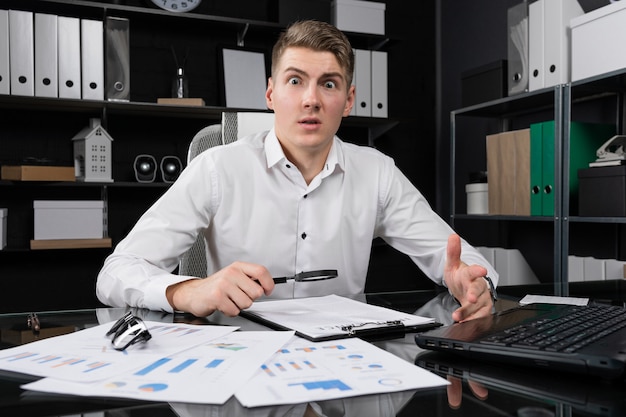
x=180, y=85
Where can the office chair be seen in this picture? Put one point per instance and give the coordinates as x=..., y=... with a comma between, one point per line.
x=233, y=126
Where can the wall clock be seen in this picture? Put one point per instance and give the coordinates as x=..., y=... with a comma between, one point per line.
x=178, y=6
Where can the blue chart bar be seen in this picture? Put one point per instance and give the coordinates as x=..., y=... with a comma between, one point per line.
x=152, y=366
x=180, y=367
x=267, y=370
x=214, y=363
x=325, y=385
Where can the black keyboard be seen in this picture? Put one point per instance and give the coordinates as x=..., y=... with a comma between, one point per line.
x=566, y=333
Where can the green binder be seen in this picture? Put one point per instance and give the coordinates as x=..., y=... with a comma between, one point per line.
x=585, y=139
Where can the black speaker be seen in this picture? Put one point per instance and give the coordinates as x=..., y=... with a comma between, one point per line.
x=170, y=168
x=145, y=168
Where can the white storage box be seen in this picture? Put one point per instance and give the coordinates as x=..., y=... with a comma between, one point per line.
x=598, y=41
x=68, y=219
x=359, y=16
x=3, y=227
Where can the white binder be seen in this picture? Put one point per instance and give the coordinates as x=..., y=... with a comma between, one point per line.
x=69, y=57
x=535, y=45
x=549, y=41
x=46, y=71
x=5, y=83
x=379, y=84
x=21, y=53
x=92, y=59
x=363, y=82
x=556, y=58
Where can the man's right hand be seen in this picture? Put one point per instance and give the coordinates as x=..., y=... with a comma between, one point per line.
x=229, y=290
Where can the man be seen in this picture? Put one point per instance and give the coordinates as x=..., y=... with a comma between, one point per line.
x=289, y=200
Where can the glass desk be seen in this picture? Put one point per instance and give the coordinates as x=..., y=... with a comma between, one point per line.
x=477, y=389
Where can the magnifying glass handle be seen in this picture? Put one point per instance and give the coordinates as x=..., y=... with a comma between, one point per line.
x=280, y=280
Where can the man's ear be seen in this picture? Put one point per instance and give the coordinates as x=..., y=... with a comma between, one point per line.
x=349, y=101
x=268, y=94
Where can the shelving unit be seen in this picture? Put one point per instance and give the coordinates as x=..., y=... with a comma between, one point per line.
x=586, y=100
x=42, y=128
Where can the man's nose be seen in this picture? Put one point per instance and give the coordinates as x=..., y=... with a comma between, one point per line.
x=311, y=97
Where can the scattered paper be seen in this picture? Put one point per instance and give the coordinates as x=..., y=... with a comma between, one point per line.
x=207, y=374
x=87, y=355
x=305, y=371
x=546, y=299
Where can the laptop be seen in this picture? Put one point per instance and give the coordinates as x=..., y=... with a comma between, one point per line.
x=514, y=388
x=587, y=340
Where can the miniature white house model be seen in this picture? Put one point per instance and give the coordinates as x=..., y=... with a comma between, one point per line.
x=92, y=153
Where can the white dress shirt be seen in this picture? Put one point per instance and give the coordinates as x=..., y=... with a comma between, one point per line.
x=253, y=205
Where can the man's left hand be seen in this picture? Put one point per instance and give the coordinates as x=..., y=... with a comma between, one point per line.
x=466, y=283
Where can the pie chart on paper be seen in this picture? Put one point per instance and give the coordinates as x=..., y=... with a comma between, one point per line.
x=152, y=387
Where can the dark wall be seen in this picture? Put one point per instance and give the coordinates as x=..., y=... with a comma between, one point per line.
x=471, y=35
x=410, y=27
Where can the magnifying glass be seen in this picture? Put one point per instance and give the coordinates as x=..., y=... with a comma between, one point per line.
x=309, y=276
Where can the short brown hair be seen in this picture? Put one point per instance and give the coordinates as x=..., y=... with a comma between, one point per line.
x=318, y=36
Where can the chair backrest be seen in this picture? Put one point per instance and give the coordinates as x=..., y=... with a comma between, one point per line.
x=233, y=126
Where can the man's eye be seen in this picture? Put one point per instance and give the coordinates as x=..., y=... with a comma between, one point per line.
x=329, y=84
x=293, y=81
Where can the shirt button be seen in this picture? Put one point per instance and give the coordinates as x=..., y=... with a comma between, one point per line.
x=288, y=166
x=303, y=235
x=305, y=196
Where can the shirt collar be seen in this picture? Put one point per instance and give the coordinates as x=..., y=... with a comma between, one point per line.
x=274, y=153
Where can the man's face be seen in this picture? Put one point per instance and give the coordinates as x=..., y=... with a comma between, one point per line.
x=309, y=95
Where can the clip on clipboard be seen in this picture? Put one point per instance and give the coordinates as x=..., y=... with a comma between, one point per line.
x=354, y=329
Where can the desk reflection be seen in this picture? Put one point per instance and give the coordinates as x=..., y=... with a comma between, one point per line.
x=384, y=405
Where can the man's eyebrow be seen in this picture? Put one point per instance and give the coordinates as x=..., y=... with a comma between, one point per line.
x=325, y=75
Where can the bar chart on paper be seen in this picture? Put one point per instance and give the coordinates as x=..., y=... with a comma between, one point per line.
x=208, y=373
x=314, y=371
x=70, y=366
x=87, y=355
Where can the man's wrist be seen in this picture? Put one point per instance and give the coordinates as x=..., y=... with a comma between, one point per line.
x=491, y=288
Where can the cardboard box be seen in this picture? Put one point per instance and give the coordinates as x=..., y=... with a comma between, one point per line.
x=359, y=16
x=598, y=41
x=602, y=191
x=68, y=219
x=3, y=227
x=37, y=173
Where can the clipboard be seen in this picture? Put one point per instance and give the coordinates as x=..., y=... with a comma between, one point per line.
x=335, y=317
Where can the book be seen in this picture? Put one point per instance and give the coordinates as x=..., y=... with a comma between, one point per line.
x=181, y=101
x=44, y=244
x=37, y=173
x=334, y=317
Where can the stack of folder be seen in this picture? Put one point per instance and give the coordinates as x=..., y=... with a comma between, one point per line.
x=521, y=170
x=46, y=55
x=370, y=80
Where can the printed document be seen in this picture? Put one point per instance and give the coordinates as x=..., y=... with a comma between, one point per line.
x=306, y=371
x=332, y=317
x=208, y=374
x=87, y=355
